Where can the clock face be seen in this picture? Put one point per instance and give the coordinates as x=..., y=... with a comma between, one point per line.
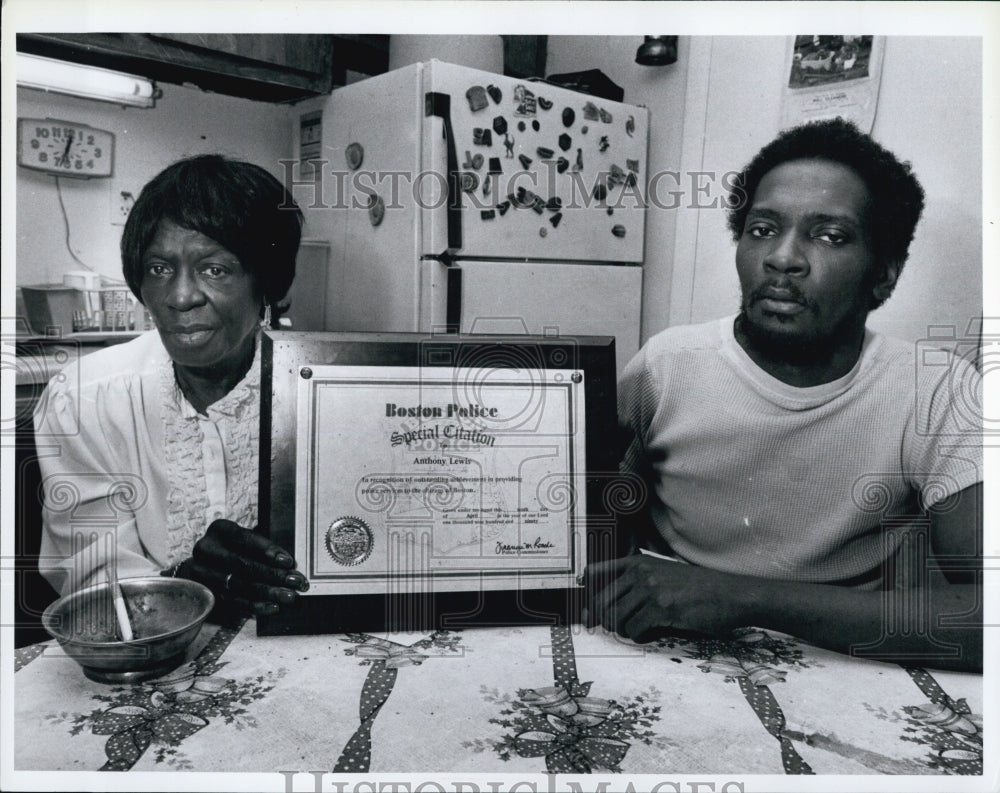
x=64, y=148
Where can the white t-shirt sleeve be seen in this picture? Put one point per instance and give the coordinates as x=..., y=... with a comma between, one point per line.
x=944, y=450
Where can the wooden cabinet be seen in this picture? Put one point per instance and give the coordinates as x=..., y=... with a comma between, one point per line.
x=275, y=67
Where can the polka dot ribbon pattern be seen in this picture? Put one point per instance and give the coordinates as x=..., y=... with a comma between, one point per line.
x=762, y=700
x=164, y=711
x=168, y=709
x=564, y=661
x=573, y=731
x=949, y=728
x=386, y=658
x=357, y=754
x=25, y=655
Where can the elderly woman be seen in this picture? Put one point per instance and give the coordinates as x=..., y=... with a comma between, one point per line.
x=156, y=460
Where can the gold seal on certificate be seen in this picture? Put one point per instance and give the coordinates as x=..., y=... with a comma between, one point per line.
x=349, y=541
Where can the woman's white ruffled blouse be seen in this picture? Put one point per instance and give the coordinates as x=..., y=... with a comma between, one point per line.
x=131, y=469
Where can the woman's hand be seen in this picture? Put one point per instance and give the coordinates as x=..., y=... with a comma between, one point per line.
x=244, y=568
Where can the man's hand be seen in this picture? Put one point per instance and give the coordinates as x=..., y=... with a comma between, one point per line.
x=641, y=596
x=244, y=568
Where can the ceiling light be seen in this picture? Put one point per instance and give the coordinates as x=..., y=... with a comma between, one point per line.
x=89, y=82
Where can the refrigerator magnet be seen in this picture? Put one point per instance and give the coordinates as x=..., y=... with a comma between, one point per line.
x=376, y=212
x=524, y=102
x=469, y=181
x=355, y=155
x=477, y=98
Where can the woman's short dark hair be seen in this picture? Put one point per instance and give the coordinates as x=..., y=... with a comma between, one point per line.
x=897, y=198
x=238, y=204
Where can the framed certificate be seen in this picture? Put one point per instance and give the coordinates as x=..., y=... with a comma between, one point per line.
x=441, y=481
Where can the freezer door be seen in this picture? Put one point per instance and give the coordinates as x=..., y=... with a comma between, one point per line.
x=541, y=298
x=547, y=173
x=370, y=142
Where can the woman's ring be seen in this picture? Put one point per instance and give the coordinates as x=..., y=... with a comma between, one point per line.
x=228, y=579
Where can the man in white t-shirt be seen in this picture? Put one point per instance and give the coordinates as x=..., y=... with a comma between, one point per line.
x=818, y=478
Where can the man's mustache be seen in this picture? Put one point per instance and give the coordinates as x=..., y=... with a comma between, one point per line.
x=779, y=292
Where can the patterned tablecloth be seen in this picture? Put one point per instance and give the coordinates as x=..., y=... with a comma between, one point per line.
x=531, y=700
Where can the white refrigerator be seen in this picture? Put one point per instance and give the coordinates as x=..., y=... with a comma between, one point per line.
x=452, y=199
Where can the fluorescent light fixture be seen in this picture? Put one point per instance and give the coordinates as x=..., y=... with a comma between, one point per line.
x=89, y=82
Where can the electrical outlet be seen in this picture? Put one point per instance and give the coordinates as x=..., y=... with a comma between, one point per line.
x=121, y=204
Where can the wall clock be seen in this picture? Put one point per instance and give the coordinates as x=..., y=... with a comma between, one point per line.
x=64, y=148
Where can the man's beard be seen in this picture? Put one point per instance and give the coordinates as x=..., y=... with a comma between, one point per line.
x=796, y=348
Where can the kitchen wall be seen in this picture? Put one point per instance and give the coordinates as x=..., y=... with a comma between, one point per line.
x=720, y=102
x=185, y=121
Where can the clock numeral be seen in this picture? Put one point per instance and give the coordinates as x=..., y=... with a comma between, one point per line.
x=97, y=152
x=43, y=157
x=79, y=165
x=90, y=164
x=41, y=132
x=90, y=140
x=34, y=143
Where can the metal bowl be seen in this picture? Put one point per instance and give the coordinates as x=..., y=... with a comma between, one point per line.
x=166, y=616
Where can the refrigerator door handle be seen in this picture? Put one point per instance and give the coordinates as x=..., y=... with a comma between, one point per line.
x=453, y=306
x=438, y=104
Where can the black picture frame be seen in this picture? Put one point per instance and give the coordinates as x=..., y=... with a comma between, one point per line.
x=283, y=356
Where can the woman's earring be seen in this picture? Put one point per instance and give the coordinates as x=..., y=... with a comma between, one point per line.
x=266, y=320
